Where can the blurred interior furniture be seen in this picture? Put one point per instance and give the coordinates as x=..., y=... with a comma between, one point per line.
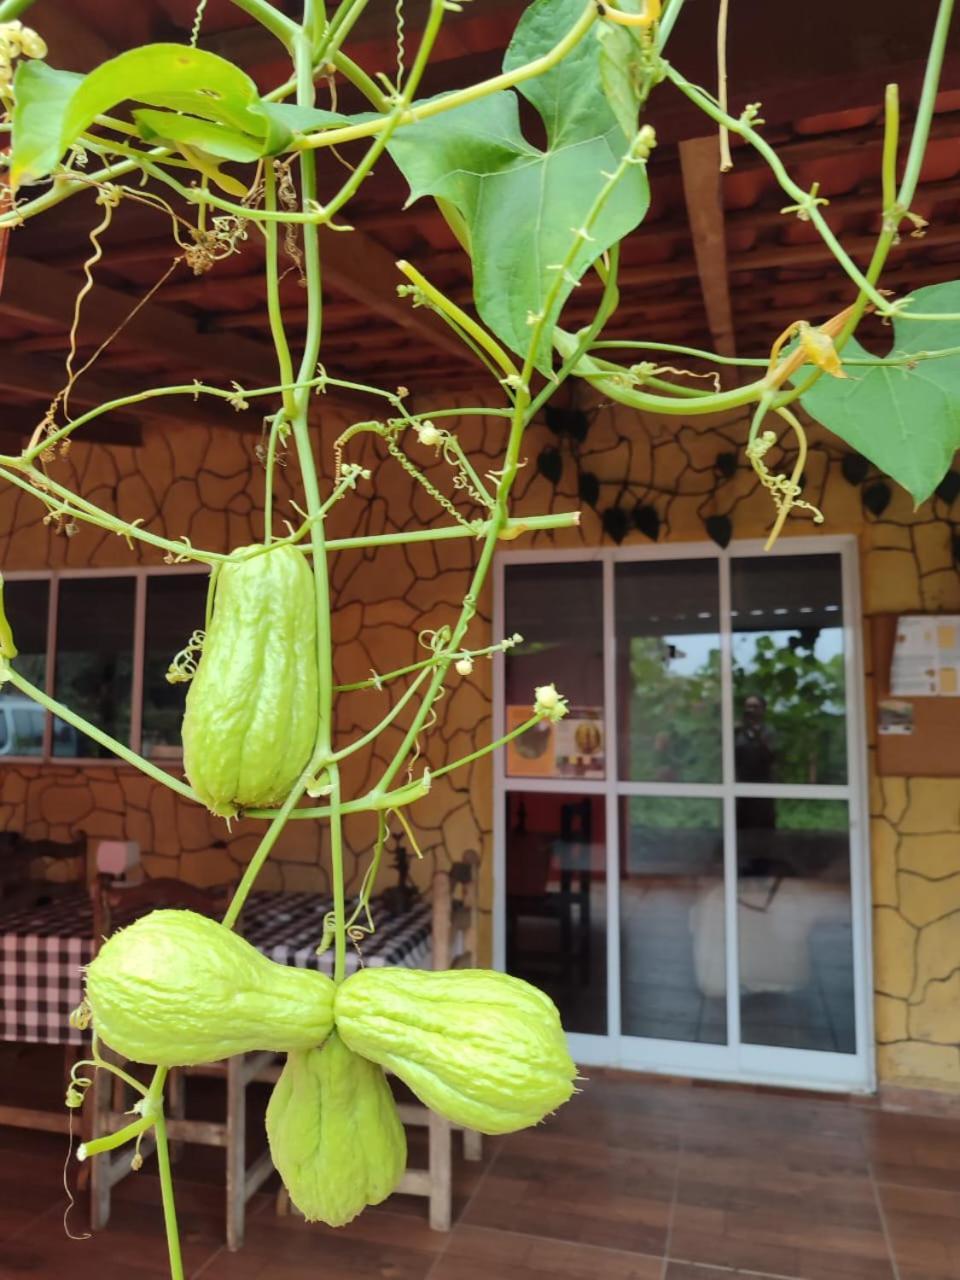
x=114, y=904
x=25, y=867
x=24, y=888
x=454, y=947
x=531, y=858
x=44, y=947
x=776, y=916
x=454, y=936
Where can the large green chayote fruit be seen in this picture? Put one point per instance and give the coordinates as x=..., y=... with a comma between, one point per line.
x=335, y=1135
x=252, y=707
x=176, y=989
x=483, y=1049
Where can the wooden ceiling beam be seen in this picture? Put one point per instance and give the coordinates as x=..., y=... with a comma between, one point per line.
x=38, y=379
x=35, y=293
x=368, y=274
x=478, y=32
x=72, y=43
x=700, y=170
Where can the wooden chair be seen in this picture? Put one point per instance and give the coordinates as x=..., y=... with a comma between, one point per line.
x=116, y=903
x=20, y=885
x=454, y=937
x=23, y=888
x=454, y=931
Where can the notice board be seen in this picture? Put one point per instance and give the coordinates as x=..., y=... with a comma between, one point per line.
x=918, y=735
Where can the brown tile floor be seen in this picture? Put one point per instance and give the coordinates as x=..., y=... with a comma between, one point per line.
x=634, y=1180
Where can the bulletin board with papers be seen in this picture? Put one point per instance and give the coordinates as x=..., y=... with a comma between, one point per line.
x=916, y=662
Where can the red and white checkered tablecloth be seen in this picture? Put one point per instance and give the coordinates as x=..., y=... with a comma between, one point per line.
x=43, y=950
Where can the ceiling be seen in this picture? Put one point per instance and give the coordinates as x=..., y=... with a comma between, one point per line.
x=715, y=263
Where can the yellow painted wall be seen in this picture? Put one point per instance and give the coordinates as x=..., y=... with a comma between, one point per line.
x=208, y=485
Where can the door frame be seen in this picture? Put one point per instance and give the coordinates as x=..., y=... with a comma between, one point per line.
x=746, y=1063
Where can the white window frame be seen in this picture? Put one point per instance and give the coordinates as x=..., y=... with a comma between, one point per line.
x=140, y=574
x=749, y=1063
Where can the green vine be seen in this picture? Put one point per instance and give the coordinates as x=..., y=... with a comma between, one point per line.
x=607, y=60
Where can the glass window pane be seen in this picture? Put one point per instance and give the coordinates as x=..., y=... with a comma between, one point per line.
x=788, y=670
x=668, y=671
x=26, y=604
x=176, y=606
x=558, y=609
x=94, y=662
x=556, y=902
x=796, y=938
x=672, y=935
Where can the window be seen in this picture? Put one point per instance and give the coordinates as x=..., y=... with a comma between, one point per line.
x=27, y=605
x=113, y=637
x=680, y=860
x=176, y=604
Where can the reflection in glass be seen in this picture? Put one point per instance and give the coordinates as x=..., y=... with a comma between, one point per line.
x=94, y=660
x=668, y=671
x=788, y=672
x=21, y=719
x=558, y=609
x=796, y=940
x=556, y=902
x=176, y=605
x=672, y=936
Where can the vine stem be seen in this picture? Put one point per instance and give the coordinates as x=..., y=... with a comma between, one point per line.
x=70, y=504
x=277, y=23
x=12, y=9
x=894, y=212
x=252, y=869
x=168, y=1200
x=306, y=97
x=8, y=673
x=805, y=200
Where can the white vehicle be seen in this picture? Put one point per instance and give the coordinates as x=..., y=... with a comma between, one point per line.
x=21, y=730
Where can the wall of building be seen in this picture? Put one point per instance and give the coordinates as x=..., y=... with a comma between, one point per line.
x=208, y=484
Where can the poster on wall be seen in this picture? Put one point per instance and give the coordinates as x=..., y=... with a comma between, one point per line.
x=533, y=754
x=571, y=748
x=894, y=716
x=580, y=752
x=926, y=657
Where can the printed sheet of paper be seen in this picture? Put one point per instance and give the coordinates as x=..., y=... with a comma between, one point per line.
x=926, y=657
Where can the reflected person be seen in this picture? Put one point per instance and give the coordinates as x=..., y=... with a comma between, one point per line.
x=755, y=756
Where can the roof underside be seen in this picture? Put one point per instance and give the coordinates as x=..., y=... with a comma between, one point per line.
x=821, y=87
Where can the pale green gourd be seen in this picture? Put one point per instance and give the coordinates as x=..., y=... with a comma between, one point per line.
x=335, y=1135
x=176, y=989
x=252, y=707
x=484, y=1049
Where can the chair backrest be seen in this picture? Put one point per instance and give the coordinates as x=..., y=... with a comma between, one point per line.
x=455, y=914
x=115, y=903
x=19, y=878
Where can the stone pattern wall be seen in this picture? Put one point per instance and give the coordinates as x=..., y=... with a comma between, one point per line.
x=208, y=485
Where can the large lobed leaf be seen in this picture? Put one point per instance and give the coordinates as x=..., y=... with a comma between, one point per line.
x=904, y=417
x=522, y=204
x=205, y=102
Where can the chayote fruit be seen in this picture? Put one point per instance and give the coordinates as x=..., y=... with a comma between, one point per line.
x=176, y=989
x=335, y=1135
x=483, y=1049
x=252, y=707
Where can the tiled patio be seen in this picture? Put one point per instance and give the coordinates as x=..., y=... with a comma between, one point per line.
x=634, y=1180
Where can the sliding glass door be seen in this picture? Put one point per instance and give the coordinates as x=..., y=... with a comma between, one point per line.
x=681, y=862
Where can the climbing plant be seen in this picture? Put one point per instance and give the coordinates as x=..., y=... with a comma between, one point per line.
x=187, y=132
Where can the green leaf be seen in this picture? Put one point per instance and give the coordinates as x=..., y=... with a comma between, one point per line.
x=522, y=204
x=42, y=94
x=214, y=139
x=161, y=75
x=295, y=119
x=905, y=418
x=623, y=63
